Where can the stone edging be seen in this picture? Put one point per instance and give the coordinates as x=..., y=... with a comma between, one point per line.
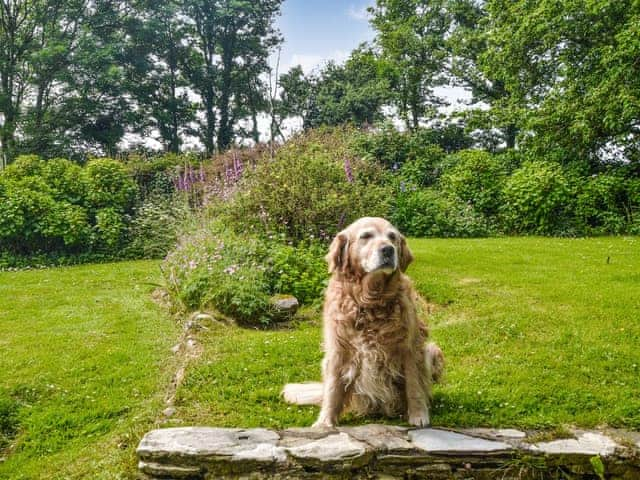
x=383, y=451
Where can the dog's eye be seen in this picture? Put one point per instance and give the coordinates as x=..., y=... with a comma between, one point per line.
x=366, y=235
x=392, y=236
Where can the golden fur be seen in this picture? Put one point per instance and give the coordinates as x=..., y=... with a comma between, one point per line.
x=376, y=359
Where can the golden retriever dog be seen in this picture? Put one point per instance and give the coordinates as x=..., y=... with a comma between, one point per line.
x=376, y=357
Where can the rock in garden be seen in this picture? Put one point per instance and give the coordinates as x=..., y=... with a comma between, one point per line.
x=285, y=306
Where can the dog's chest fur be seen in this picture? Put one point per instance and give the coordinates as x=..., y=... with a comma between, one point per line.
x=376, y=335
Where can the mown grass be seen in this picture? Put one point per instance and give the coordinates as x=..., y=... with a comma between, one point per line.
x=85, y=360
x=537, y=332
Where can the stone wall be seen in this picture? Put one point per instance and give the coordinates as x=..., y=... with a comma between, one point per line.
x=386, y=452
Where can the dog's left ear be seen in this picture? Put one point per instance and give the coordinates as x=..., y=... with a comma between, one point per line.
x=405, y=256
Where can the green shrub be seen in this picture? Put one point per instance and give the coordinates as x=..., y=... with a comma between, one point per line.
x=311, y=189
x=156, y=226
x=606, y=204
x=299, y=271
x=214, y=268
x=109, y=185
x=155, y=175
x=393, y=148
x=31, y=219
x=64, y=180
x=110, y=228
x=67, y=222
x=24, y=166
x=475, y=178
x=537, y=199
x=427, y=213
x=424, y=170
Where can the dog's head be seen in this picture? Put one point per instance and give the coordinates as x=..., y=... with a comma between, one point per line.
x=369, y=245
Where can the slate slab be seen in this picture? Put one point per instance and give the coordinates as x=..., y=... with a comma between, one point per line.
x=587, y=443
x=451, y=443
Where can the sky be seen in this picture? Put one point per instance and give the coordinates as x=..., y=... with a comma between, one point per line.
x=316, y=31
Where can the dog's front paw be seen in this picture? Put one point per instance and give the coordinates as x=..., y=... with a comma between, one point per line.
x=323, y=423
x=420, y=419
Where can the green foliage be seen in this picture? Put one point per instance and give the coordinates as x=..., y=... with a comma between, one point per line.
x=299, y=271
x=598, y=466
x=571, y=71
x=32, y=219
x=427, y=213
x=156, y=226
x=411, y=36
x=63, y=178
x=607, y=203
x=58, y=208
x=417, y=152
x=475, y=178
x=215, y=268
x=109, y=185
x=110, y=228
x=537, y=199
x=351, y=93
x=325, y=185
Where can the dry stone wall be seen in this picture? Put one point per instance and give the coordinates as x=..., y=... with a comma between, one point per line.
x=386, y=452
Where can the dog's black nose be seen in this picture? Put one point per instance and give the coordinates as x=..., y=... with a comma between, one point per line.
x=387, y=251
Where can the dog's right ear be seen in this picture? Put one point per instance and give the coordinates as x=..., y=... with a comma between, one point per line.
x=337, y=256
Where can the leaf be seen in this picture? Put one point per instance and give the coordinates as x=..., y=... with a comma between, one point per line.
x=598, y=466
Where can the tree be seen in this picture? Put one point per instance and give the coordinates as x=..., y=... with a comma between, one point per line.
x=19, y=24
x=411, y=36
x=231, y=37
x=467, y=43
x=351, y=93
x=157, y=76
x=572, y=73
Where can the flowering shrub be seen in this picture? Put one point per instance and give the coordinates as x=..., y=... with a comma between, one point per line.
x=313, y=187
x=237, y=275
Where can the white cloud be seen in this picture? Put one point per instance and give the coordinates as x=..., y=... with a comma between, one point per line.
x=312, y=61
x=359, y=13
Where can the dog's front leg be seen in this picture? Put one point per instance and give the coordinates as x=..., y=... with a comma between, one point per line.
x=416, y=385
x=334, y=392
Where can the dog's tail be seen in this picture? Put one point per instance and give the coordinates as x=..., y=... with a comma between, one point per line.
x=435, y=361
x=303, y=393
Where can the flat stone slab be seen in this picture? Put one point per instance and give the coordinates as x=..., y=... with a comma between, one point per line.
x=450, y=443
x=227, y=444
x=335, y=448
x=587, y=443
x=377, y=451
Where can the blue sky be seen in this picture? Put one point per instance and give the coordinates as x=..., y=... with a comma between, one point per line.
x=316, y=31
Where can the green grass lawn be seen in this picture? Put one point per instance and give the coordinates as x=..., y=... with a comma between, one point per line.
x=537, y=332
x=85, y=360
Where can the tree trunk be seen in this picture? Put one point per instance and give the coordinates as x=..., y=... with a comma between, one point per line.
x=225, y=131
x=510, y=134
